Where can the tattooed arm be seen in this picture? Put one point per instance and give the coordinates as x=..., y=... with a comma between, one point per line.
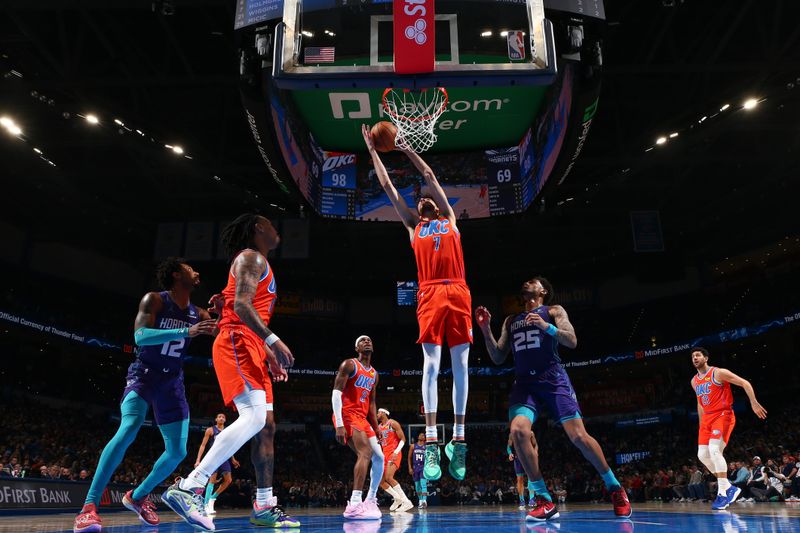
x=248, y=269
x=566, y=333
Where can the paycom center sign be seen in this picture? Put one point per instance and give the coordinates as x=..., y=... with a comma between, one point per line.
x=474, y=117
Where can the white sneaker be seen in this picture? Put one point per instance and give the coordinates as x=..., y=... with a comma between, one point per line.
x=404, y=506
x=422, y=505
x=210, y=506
x=395, y=504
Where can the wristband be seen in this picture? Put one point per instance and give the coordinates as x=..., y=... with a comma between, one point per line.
x=508, y=450
x=551, y=330
x=272, y=339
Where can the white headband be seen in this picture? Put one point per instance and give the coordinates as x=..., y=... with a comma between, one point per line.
x=382, y=410
x=361, y=338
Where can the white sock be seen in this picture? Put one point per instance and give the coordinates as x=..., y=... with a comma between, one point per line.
x=431, y=434
x=459, y=355
x=355, y=497
x=252, y=407
x=458, y=431
x=723, y=485
x=392, y=492
x=263, y=496
x=398, y=490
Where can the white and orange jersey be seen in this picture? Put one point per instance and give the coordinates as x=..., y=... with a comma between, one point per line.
x=357, y=393
x=712, y=395
x=263, y=301
x=388, y=436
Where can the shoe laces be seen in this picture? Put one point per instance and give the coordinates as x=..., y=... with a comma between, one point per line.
x=618, y=497
x=430, y=458
x=199, y=501
x=148, y=506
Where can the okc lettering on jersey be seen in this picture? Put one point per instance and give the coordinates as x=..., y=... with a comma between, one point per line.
x=364, y=382
x=434, y=227
x=703, y=388
x=172, y=323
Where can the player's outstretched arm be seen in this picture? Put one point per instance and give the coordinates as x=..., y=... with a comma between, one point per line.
x=498, y=349
x=400, y=205
x=437, y=192
x=203, y=445
x=248, y=269
x=723, y=375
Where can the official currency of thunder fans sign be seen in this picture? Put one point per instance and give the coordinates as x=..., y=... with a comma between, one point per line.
x=646, y=353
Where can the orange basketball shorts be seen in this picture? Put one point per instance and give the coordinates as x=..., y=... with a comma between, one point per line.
x=240, y=364
x=716, y=426
x=444, y=311
x=352, y=422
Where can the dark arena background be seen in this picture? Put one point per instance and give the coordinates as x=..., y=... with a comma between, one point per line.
x=639, y=154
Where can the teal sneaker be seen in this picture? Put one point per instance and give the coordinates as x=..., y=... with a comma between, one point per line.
x=448, y=450
x=431, y=470
x=271, y=515
x=458, y=460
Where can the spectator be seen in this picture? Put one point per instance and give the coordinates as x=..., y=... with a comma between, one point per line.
x=741, y=477
x=696, y=488
x=760, y=487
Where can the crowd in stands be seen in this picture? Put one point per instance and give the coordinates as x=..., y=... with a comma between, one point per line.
x=313, y=470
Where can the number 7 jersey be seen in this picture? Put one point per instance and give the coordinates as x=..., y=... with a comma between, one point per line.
x=437, y=249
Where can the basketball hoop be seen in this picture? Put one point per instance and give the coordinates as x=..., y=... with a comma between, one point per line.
x=415, y=114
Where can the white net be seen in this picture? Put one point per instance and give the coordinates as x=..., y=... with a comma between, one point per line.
x=415, y=114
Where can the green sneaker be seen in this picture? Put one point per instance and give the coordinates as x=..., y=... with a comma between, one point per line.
x=458, y=460
x=432, y=471
x=448, y=450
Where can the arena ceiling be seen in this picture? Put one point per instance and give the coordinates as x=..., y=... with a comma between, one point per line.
x=170, y=69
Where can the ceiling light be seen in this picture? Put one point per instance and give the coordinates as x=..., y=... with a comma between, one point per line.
x=13, y=129
x=504, y=33
x=661, y=140
x=92, y=119
x=750, y=103
x=673, y=135
x=6, y=122
x=724, y=107
x=487, y=33
x=118, y=121
x=177, y=149
x=307, y=33
x=37, y=150
x=702, y=119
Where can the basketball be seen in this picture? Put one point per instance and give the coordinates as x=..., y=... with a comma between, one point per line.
x=383, y=135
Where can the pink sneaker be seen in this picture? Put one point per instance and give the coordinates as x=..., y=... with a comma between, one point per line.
x=87, y=520
x=354, y=511
x=372, y=510
x=145, y=509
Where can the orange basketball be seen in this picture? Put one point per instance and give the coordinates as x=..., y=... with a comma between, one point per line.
x=383, y=134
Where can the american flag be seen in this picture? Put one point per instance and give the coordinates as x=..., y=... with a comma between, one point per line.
x=317, y=54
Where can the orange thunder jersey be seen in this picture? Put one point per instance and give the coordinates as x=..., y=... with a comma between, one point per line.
x=263, y=301
x=389, y=438
x=357, y=391
x=712, y=395
x=437, y=249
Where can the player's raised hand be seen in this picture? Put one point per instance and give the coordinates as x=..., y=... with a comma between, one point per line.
x=759, y=410
x=341, y=436
x=511, y=457
x=366, y=132
x=534, y=319
x=283, y=354
x=204, y=327
x=216, y=303
x=483, y=317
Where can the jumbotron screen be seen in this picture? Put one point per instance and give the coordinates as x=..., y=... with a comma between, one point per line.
x=479, y=183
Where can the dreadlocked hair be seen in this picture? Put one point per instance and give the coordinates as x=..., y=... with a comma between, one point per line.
x=166, y=269
x=239, y=234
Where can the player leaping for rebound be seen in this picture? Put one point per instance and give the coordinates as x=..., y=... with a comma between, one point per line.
x=533, y=337
x=444, y=310
x=356, y=423
x=392, y=442
x=715, y=408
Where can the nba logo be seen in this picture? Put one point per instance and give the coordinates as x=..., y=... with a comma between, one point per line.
x=516, y=45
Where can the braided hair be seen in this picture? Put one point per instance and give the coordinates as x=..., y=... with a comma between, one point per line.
x=239, y=234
